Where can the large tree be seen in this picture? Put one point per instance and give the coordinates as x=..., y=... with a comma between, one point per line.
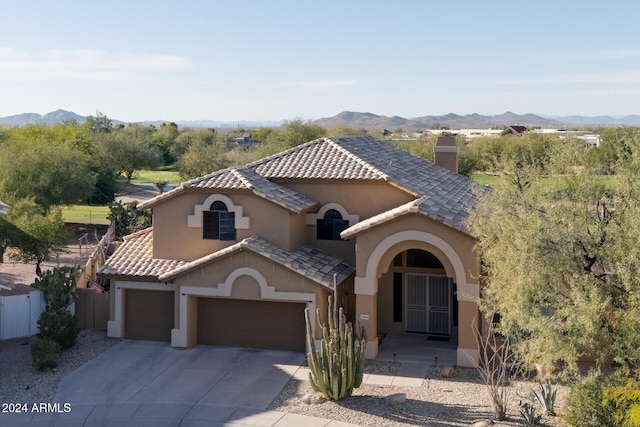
x=42, y=234
x=125, y=150
x=560, y=256
x=201, y=159
x=51, y=172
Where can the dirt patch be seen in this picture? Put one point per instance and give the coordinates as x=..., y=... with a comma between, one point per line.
x=83, y=238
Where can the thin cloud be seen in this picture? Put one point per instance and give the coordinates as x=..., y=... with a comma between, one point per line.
x=85, y=65
x=324, y=84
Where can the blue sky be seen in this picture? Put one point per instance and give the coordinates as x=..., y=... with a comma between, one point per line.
x=272, y=60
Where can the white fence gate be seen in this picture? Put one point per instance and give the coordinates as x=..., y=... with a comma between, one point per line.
x=19, y=315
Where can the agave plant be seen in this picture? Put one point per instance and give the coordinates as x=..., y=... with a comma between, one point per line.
x=545, y=396
x=529, y=415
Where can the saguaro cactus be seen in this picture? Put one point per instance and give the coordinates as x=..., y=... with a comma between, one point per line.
x=337, y=368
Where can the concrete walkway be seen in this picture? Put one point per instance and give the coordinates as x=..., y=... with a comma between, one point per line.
x=141, y=383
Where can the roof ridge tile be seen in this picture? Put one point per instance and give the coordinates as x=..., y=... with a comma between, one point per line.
x=357, y=158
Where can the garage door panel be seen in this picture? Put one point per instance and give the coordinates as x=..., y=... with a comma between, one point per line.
x=255, y=324
x=149, y=315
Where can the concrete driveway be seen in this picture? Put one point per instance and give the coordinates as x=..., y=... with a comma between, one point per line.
x=140, y=383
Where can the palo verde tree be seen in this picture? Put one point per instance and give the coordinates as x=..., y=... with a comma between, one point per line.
x=559, y=250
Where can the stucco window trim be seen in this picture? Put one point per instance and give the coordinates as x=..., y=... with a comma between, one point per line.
x=115, y=327
x=223, y=290
x=313, y=217
x=195, y=220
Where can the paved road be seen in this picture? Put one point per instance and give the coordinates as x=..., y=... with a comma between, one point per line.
x=143, y=383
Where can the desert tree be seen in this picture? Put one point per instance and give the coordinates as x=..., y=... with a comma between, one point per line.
x=560, y=258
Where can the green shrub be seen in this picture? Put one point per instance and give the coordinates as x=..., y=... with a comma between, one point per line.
x=45, y=354
x=587, y=404
x=59, y=326
x=623, y=399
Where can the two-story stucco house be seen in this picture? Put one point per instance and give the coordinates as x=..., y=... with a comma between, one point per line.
x=234, y=257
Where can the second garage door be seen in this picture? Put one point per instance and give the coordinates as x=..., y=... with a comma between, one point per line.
x=148, y=315
x=255, y=324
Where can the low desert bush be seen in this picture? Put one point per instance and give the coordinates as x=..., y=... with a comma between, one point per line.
x=59, y=326
x=45, y=354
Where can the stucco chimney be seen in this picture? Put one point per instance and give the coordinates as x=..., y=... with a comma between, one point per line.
x=445, y=153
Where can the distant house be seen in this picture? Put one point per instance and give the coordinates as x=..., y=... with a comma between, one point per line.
x=514, y=130
x=234, y=257
x=243, y=139
x=4, y=208
x=386, y=132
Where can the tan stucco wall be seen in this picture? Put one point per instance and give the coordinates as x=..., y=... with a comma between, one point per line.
x=365, y=199
x=357, y=197
x=385, y=307
x=173, y=239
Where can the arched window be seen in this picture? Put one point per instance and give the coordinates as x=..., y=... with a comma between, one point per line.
x=331, y=225
x=218, y=223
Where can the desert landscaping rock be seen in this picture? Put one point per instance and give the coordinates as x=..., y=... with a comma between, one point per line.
x=483, y=423
x=448, y=372
x=394, y=399
x=313, y=399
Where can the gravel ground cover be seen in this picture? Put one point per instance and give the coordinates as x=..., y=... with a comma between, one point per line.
x=438, y=402
x=21, y=383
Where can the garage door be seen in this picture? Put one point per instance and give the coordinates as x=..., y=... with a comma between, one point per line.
x=255, y=324
x=148, y=315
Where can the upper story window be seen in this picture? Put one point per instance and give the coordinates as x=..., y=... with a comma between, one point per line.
x=331, y=225
x=218, y=223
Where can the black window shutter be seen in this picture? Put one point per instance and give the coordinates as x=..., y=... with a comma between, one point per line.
x=211, y=225
x=339, y=225
x=227, y=226
x=325, y=229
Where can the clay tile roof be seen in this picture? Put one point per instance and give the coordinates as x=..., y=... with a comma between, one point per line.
x=278, y=194
x=307, y=261
x=320, y=159
x=134, y=257
x=242, y=179
x=448, y=196
x=444, y=196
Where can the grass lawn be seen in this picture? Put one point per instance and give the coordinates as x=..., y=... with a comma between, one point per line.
x=483, y=178
x=143, y=176
x=84, y=214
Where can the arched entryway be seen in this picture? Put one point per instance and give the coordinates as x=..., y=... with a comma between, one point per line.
x=374, y=288
x=415, y=295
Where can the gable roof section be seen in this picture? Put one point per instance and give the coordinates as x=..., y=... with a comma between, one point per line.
x=322, y=158
x=241, y=179
x=135, y=258
x=448, y=196
x=307, y=261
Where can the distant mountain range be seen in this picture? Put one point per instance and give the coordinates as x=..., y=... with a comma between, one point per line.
x=371, y=121
x=60, y=116
x=368, y=121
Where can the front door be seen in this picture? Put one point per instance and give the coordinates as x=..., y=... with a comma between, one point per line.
x=428, y=304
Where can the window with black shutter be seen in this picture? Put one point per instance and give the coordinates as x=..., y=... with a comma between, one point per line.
x=330, y=227
x=218, y=223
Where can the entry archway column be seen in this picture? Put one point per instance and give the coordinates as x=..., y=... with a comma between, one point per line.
x=366, y=291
